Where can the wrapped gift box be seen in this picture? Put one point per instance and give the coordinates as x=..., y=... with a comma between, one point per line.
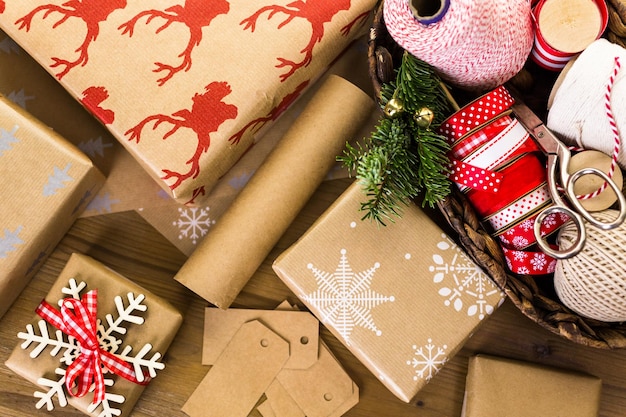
x=403, y=298
x=187, y=87
x=45, y=183
x=498, y=387
x=129, y=316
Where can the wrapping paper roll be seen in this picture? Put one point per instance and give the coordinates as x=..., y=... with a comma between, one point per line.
x=228, y=257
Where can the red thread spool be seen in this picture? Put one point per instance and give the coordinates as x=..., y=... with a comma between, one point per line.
x=563, y=28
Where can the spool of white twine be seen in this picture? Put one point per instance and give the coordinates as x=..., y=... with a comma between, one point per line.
x=579, y=103
x=593, y=283
x=475, y=44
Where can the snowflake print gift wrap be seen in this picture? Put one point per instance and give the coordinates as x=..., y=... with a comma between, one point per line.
x=187, y=86
x=134, y=330
x=45, y=183
x=403, y=298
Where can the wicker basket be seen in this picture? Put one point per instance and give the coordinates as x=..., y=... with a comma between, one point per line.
x=535, y=298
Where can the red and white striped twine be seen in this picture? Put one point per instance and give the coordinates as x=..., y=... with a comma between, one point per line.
x=616, y=137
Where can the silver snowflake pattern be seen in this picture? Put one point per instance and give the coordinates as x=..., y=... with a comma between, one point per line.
x=344, y=298
x=67, y=349
x=20, y=97
x=526, y=225
x=464, y=283
x=193, y=223
x=427, y=360
x=94, y=147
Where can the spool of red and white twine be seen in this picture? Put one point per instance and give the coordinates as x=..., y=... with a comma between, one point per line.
x=587, y=107
x=563, y=28
x=474, y=44
x=497, y=164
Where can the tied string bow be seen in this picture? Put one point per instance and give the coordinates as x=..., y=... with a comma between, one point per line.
x=77, y=318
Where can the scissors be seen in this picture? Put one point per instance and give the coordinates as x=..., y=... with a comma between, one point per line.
x=558, y=155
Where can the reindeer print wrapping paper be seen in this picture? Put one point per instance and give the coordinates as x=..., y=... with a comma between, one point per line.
x=185, y=85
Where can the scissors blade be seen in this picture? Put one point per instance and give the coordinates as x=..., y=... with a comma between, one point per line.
x=535, y=126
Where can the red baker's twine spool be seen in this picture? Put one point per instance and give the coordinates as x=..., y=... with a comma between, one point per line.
x=564, y=28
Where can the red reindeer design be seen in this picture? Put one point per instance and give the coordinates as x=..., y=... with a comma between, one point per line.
x=195, y=14
x=2, y=6
x=316, y=12
x=92, y=12
x=92, y=100
x=206, y=115
x=272, y=115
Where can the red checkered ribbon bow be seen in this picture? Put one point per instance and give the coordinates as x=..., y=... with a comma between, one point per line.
x=77, y=318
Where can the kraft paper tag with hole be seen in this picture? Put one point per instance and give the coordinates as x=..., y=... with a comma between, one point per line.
x=322, y=389
x=241, y=374
x=299, y=328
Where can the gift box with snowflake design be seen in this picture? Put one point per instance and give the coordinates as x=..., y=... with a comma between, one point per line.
x=45, y=183
x=187, y=86
x=93, y=312
x=403, y=298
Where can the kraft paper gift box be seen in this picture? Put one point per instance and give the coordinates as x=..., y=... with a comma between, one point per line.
x=45, y=183
x=403, y=297
x=498, y=387
x=187, y=87
x=133, y=323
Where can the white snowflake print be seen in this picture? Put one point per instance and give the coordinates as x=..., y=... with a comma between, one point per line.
x=67, y=349
x=520, y=255
x=428, y=360
x=550, y=220
x=344, y=298
x=9, y=241
x=526, y=225
x=520, y=242
x=464, y=284
x=193, y=223
x=522, y=270
x=538, y=261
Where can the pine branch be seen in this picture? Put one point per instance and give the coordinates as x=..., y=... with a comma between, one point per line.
x=404, y=156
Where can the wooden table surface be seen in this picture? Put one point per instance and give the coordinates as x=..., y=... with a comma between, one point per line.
x=126, y=243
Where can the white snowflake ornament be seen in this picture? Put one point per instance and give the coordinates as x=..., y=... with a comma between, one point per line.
x=80, y=337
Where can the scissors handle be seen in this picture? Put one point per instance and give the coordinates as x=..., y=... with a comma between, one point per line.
x=585, y=213
x=563, y=253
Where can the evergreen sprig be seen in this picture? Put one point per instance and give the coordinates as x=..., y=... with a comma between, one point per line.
x=403, y=159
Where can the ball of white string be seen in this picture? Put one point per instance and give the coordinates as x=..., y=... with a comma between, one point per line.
x=593, y=283
x=578, y=112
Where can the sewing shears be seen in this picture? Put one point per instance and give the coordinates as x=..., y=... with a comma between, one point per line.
x=558, y=159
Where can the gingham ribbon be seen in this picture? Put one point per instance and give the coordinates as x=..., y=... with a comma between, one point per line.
x=77, y=318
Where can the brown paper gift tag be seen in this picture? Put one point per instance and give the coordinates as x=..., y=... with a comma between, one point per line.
x=45, y=183
x=299, y=328
x=166, y=72
x=403, y=298
x=498, y=387
x=159, y=328
x=236, y=381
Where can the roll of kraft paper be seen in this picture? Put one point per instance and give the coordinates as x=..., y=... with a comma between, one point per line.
x=243, y=237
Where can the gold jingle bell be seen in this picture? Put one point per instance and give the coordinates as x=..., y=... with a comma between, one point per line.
x=424, y=117
x=393, y=108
